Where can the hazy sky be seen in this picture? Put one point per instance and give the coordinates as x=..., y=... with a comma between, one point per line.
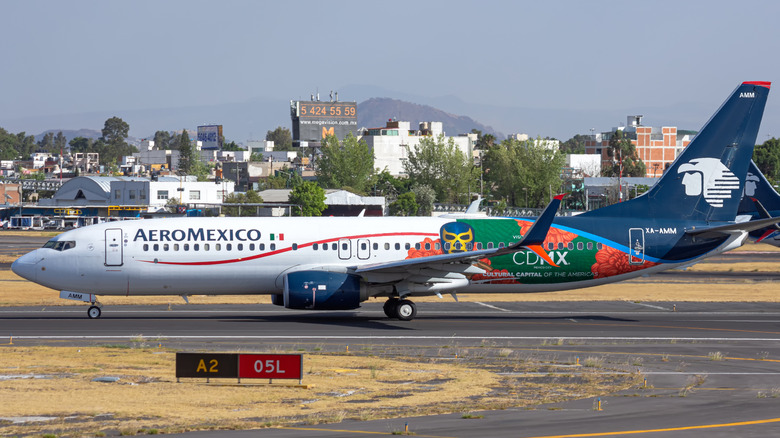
x=65, y=57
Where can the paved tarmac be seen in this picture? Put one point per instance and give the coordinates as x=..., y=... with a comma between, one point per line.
x=728, y=354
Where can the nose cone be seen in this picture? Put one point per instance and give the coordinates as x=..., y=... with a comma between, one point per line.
x=25, y=265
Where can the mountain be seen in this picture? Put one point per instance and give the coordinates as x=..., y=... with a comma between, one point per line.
x=374, y=113
x=70, y=134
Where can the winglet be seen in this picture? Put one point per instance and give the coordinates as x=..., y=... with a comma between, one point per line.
x=539, y=229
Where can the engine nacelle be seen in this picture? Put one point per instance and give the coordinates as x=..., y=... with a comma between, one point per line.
x=322, y=290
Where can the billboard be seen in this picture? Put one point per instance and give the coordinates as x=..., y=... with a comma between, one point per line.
x=315, y=120
x=210, y=136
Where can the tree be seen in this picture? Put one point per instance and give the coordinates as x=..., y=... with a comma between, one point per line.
x=625, y=161
x=162, y=140
x=232, y=146
x=349, y=164
x=46, y=143
x=424, y=195
x=443, y=167
x=60, y=142
x=187, y=154
x=81, y=144
x=767, y=158
x=282, y=139
x=112, y=145
x=405, y=205
x=310, y=197
x=575, y=145
x=523, y=173
x=9, y=144
x=250, y=197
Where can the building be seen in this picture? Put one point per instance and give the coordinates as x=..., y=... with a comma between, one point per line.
x=392, y=143
x=338, y=202
x=656, y=147
x=137, y=192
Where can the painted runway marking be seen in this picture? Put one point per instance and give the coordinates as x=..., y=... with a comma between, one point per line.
x=491, y=306
x=652, y=306
x=670, y=429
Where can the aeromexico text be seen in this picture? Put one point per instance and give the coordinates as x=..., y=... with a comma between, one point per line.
x=190, y=234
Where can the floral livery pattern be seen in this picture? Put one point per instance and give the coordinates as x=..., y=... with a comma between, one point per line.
x=611, y=261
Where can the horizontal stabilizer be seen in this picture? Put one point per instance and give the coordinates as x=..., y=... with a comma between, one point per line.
x=725, y=230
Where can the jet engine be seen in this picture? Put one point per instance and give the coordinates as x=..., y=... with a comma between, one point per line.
x=321, y=290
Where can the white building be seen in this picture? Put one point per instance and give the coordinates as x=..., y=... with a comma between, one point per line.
x=127, y=191
x=391, y=144
x=587, y=165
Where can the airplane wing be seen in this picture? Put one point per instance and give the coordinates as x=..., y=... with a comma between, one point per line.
x=728, y=229
x=531, y=241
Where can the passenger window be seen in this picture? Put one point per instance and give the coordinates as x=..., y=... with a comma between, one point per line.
x=397, y=246
x=218, y=246
x=550, y=246
x=186, y=246
x=376, y=246
x=407, y=246
x=252, y=246
x=315, y=246
x=387, y=246
x=501, y=244
x=262, y=247
x=240, y=246
x=570, y=245
x=196, y=247
x=146, y=247
x=273, y=246
x=229, y=246
x=344, y=246
x=599, y=246
x=579, y=246
x=560, y=245
x=156, y=247
x=447, y=246
x=166, y=247
x=206, y=247
x=363, y=246
x=479, y=245
x=427, y=246
x=175, y=246
x=490, y=245
x=590, y=246
x=437, y=246
x=469, y=246
x=417, y=246
x=294, y=247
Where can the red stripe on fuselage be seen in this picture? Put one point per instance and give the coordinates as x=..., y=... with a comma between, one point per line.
x=282, y=250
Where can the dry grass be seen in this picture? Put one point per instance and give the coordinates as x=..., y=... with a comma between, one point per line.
x=147, y=395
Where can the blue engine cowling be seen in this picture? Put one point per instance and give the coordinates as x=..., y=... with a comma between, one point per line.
x=321, y=290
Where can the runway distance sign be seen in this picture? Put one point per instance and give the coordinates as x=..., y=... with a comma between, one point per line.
x=206, y=365
x=270, y=366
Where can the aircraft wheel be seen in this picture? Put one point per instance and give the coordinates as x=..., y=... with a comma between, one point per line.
x=94, y=312
x=389, y=307
x=405, y=310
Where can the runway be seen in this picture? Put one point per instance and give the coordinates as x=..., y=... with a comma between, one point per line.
x=711, y=369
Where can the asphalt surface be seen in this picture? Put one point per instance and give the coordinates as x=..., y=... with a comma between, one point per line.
x=728, y=353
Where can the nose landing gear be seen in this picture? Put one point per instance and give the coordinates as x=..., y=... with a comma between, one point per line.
x=94, y=310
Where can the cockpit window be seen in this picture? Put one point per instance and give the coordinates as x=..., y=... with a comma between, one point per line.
x=60, y=245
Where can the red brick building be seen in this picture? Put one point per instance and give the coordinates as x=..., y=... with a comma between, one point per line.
x=656, y=147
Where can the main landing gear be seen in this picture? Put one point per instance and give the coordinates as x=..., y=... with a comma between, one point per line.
x=94, y=310
x=405, y=310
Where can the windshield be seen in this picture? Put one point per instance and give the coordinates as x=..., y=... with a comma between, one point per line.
x=60, y=245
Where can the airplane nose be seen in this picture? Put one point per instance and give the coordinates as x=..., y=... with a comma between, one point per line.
x=24, y=266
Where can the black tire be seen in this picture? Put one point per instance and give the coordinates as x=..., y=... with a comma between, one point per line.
x=389, y=307
x=405, y=310
x=94, y=312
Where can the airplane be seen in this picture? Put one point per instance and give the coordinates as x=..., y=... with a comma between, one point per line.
x=336, y=263
x=760, y=200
